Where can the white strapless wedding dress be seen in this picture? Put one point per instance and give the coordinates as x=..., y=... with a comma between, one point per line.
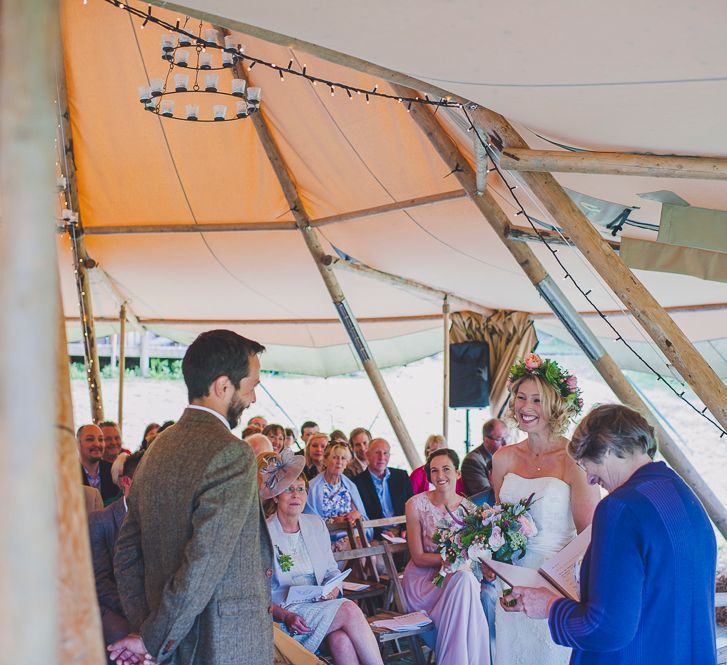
x=520, y=640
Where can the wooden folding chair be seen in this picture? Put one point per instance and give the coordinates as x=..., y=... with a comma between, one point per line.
x=377, y=593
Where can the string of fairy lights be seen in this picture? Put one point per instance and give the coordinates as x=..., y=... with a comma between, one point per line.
x=236, y=51
x=492, y=155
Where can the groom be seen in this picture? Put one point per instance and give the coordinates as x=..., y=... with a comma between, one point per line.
x=192, y=555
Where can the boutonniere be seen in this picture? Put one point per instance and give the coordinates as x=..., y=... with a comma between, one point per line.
x=285, y=561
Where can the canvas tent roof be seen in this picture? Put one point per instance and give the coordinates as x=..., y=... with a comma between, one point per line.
x=560, y=79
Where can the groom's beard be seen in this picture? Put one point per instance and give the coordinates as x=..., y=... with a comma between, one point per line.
x=234, y=411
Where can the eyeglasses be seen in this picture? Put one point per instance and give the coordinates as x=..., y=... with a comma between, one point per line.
x=293, y=490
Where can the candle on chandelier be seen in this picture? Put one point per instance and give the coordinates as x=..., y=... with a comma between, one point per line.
x=210, y=82
x=185, y=40
x=211, y=35
x=219, y=111
x=167, y=43
x=205, y=61
x=182, y=58
x=227, y=59
x=238, y=87
x=144, y=94
x=253, y=96
x=167, y=108
x=241, y=110
x=231, y=43
x=157, y=87
x=192, y=111
x=181, y=82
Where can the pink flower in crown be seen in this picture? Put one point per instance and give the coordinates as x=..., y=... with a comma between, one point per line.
x=533, y=361
x=571, y=382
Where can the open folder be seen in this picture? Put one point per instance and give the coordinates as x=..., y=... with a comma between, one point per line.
x=560, y=573
x=308, y=593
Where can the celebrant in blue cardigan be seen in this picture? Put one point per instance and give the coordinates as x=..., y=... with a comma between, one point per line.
x=648, y=576
x=302, y=556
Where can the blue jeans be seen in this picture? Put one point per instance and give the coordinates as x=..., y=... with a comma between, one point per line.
x=488, y=598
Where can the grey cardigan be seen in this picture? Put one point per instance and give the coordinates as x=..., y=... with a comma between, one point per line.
x=318, y=542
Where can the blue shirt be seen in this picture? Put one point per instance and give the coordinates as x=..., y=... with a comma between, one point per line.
x=382, y=490
x=647, y=580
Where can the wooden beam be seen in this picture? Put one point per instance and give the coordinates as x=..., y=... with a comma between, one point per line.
x=266, y=322
x=232, y=227
x=81, y=260
x=604, y=364
x=423, y=290
x=528, y=235
x=302, y=219
x=98, y=273
x=122, y=365
x=28, y=284
x=674, y=344
x=445, y=369
x=614, y=163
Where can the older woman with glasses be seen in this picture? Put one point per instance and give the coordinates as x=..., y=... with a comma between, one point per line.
x=302, y=556
x=647, y=578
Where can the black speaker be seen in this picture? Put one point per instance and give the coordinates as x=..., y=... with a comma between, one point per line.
x=469, y=375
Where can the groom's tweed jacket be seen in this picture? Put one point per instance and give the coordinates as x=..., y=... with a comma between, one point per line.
x=192, y=555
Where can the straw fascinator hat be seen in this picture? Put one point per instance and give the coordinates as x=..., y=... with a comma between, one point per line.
x=278, y=474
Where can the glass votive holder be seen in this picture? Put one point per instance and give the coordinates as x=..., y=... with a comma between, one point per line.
x=185, y=40
x=205, y=61
x=167, y=108
x=152, y=104
x=238, y=87
x=157, y=87
x=211, y=35
x=219, y=111
x=182, y=58
x=192, y=111
x=144, y=94
x=167, y=43
x=210, y=82
x=181, y=82
x=253, y=95
x=251, y=108
x=231, y=43
x=241, y=110
x=227, y=59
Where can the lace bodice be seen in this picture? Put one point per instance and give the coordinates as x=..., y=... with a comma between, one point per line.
x=551, y=512
x=430, y=515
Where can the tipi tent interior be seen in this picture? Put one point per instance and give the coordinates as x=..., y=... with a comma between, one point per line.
x=200, y=225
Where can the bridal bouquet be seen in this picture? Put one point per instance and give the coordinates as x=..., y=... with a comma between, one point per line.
x=499, y=532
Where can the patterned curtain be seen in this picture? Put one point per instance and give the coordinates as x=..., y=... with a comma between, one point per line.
x=510, y=335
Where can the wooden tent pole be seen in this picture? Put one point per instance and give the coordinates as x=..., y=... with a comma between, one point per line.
x=122, y=365
x=445, y=377
x=79, y=618
x=675, y=345
x=28, y=529
x=562, y=308
x=343, y=309
x=82, y=261
x=614, y=163
x=424, y=290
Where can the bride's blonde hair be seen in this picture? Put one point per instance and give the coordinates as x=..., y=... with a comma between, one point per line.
x=556, y=410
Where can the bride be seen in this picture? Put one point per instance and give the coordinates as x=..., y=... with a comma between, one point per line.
x=544, y=399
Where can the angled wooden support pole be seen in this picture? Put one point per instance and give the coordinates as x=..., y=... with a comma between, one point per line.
x=423, y=290
x=614, y=163
x=122, y=365
x=675, y=345
x=347, y=317
x=445, y=369
x=562, y=308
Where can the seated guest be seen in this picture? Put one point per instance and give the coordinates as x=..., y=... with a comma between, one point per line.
x=337, y=436
x=384, y=490
x=112, y=441
x=276, y=434
x=647, y=578
x=95, y=471
x=418, y=477
x=263, y=461
x=306, y=429
x=259, y=443
x=92, y=499
x=477, y=464
x=302, y=556
x=359, y=440
x=103, y=528
x=331, y=495
x=315, y=448
x=454, y=607
x=290, y=439
x=150, y=431
x=258, y=421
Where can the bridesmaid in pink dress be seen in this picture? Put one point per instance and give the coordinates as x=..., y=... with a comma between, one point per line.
x=455, y=607
x=418, y=477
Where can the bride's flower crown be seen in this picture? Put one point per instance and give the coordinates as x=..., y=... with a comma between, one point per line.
x=566, y=385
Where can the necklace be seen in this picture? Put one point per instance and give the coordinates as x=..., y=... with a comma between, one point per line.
x=537, y=463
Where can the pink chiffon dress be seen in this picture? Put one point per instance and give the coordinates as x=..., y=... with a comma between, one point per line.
x=455, y=607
